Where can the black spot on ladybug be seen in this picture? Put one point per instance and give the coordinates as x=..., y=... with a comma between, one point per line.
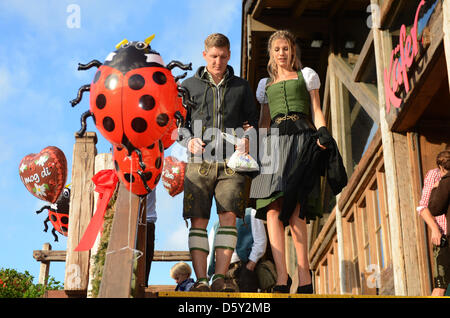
x=116, y=165
x=147, y=102
x=136, y=82
x=158, y=163
x=148, y=175
x=162, y=119
x=97, y=76
x=65, y=220
x=53, y=217
x=64, y=229
x=108, y=124
x=139, y=124
x=100, y=101
x=159, y=78
x=161, y=146
x=111, y=82
x=157, y=178
x=129, y=177
x=151, y=146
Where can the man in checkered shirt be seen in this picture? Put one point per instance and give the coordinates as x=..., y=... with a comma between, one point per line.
x=438, y=225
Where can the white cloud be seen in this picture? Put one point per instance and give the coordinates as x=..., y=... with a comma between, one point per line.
x=177, y=240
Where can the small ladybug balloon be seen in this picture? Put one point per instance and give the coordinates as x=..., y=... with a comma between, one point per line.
x=134, y=99
x=58, y=214
x=139, y=181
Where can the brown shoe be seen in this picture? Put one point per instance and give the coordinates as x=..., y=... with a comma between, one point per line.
x=200, y=286
x=222, y=285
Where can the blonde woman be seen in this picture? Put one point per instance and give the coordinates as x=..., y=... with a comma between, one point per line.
x=289, y=100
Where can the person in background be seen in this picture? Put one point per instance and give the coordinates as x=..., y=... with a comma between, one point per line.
x=250, y=247
x=151, y=220
x=439, y=204
x=181, y=273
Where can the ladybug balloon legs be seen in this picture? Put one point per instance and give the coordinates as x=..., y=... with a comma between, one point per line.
x=47, y=207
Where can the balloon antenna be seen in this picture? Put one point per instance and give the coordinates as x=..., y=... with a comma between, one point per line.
x=149, y=39
x=124, y=41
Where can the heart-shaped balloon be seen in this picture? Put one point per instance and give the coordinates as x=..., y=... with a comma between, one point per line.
x=44, y=174
x=173, y=175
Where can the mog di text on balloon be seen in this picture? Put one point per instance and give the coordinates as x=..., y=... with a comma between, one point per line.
x=35, y=177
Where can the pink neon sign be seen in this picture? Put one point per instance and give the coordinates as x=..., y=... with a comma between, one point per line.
x=398, y=67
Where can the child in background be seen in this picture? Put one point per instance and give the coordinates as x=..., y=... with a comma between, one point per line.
x=181, y=272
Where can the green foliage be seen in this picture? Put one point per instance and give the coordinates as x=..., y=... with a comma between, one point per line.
x=99, y=258
x=14, y=284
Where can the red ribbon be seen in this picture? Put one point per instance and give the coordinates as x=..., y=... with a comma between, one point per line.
x=105, y=183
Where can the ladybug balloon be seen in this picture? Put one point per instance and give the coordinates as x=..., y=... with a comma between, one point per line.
x=58, y=214
x=138, y=181
x=134, y=99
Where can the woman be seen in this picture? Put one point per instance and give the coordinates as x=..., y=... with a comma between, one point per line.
x=288, y=99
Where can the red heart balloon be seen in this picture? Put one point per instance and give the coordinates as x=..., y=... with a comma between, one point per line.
x=44, y=174
x=173, y=175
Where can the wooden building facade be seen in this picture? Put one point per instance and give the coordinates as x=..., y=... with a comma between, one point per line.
x=384, y=67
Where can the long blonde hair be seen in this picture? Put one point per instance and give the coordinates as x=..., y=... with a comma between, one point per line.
x=296, y=65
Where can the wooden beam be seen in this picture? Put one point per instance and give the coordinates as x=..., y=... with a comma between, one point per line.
x=388, y=12
x=45, y=266
x=362, y=92
x=298, y=10
x=363, y=59
x=172, y=256
x=81, y=208
x=121, y=253
x=48, y=255
x=159, y=256
x=383, y=47
x=260, y=5
x=446, y=29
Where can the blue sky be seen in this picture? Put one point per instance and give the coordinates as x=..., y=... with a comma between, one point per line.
x=39, y=53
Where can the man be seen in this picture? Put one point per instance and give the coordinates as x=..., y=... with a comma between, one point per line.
x=439, y=204
x=224, y=103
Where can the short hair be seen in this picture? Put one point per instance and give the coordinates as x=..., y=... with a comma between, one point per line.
x=217, y=40
x=443, y=159
x=180, y=268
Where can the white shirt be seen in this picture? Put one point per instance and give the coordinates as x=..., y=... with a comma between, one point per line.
x=259, y=240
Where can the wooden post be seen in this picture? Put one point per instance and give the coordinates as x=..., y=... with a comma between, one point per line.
x=81, y=209
x=338, y=118
x=45, y=266
x=446, y=29
x=121, y=253
x=139, y=283
x=102, y=161
x=383, y=47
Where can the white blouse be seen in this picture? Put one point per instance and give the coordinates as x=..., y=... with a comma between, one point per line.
x=312, y=81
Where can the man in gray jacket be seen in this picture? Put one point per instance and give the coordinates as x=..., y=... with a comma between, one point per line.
x=224, y=103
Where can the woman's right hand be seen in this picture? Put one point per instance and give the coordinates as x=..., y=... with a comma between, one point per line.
x=195, y=146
